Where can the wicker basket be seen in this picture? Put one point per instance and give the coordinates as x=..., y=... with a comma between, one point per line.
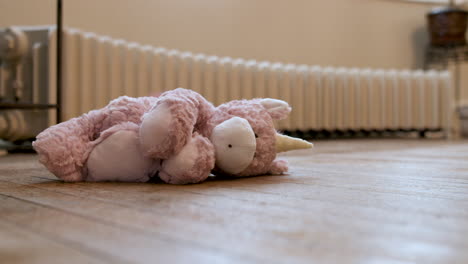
x=447, y=26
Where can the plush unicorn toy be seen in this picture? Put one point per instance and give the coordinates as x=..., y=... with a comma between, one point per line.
x=179, y=137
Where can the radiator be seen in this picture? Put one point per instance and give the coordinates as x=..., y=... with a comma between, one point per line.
x=99, y=68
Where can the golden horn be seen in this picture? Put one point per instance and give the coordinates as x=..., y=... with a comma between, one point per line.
x=285, y=143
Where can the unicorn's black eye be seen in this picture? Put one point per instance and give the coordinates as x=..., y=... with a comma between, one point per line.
x=256, y=136
x=230, y=145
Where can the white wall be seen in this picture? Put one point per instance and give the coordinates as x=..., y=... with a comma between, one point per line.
x=352, y=33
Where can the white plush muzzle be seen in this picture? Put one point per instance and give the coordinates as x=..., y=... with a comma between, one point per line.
x=235, y=145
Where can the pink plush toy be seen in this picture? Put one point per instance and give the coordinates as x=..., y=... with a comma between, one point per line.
x=178, y=136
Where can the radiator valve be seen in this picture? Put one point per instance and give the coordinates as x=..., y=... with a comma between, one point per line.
x=13, y=47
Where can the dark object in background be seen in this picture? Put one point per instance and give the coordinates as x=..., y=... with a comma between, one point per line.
x=447, y=26
x=23, y=146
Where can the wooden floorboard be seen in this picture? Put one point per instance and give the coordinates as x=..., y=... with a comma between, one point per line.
x=345, y=201
x=19, y=245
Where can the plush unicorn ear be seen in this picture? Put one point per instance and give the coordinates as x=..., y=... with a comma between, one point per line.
x=277, y=109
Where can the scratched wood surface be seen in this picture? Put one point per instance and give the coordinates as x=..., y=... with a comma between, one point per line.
x=345, y=201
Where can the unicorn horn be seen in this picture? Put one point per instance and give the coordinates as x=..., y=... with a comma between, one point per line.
x=285, y=143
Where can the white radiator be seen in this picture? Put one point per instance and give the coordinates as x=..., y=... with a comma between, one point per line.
x=99, y=68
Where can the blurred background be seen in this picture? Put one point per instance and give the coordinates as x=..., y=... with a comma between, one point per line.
x=152, y=46
x=349, y=33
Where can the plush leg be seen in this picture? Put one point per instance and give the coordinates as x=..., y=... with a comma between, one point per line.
x=64, y=148
x=278, y=167
x=162, y=132
x=192, y=164
x=117, y=156
x=168, y=126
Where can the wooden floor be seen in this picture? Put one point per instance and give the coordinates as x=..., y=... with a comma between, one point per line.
x=345, y=201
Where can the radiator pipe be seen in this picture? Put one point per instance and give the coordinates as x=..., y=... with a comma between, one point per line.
x=59, y=61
